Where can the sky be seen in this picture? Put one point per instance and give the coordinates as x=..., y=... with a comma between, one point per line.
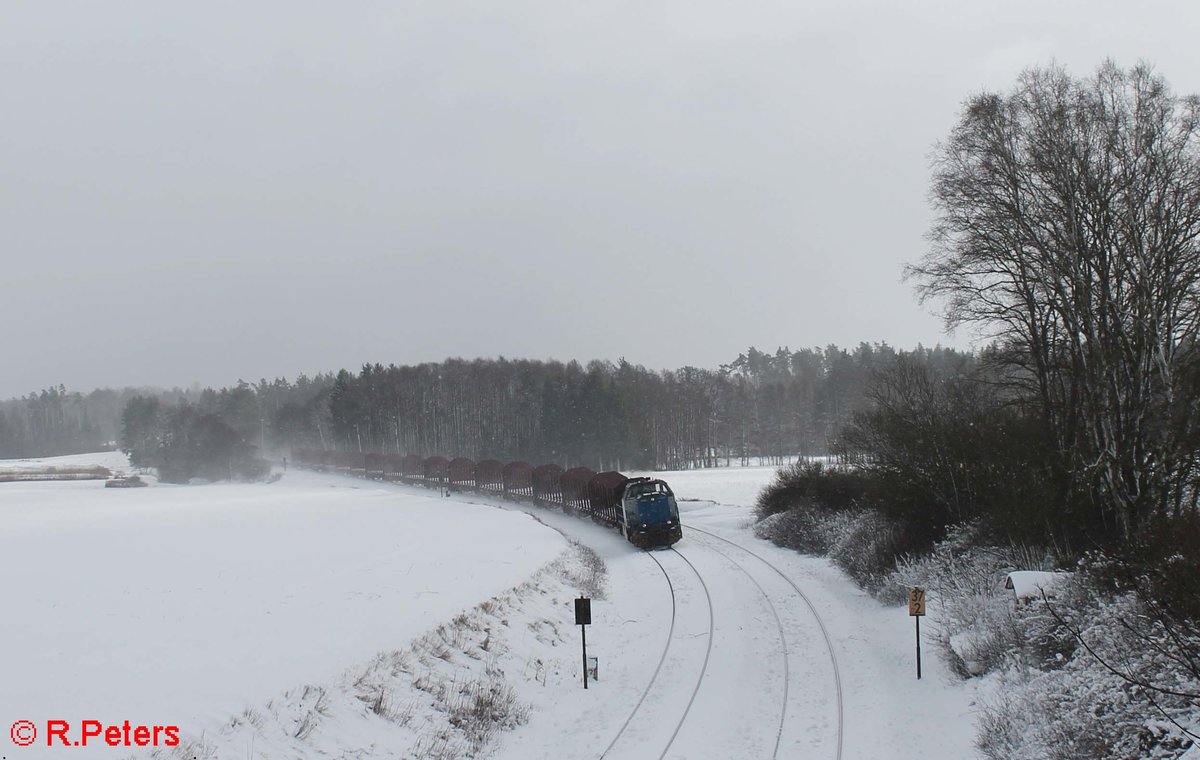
x=197, y=193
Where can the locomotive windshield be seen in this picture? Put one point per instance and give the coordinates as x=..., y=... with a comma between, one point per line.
x=638, y=490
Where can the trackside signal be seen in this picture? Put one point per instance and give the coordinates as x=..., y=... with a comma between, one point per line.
x=583, y=617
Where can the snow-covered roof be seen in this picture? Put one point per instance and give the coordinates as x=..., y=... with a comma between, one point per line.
x=1031, y=583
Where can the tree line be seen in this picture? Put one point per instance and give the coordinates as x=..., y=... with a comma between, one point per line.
x=213, y=435
x=56, y=421
x=772, y=406
x=603, y=415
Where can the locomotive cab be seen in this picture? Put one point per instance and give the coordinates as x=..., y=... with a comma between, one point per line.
x=651, y=513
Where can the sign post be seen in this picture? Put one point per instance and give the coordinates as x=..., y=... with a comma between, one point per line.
x=583, y=618
x=916, y=609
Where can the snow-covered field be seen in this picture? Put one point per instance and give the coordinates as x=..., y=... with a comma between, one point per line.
x=404, y=614
x=184, y=604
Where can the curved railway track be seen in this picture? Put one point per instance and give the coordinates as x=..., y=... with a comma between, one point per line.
x=782, y=640
x=657, y=668
x=707, y=653
x=837, y=677
x=662, y=659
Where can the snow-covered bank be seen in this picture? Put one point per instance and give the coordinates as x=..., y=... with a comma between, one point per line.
x=448, y=694
x=185, y=605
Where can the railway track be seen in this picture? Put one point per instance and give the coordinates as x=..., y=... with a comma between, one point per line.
x=782, y=640
x=623, y=732
x=658, y=668
x=837, y=679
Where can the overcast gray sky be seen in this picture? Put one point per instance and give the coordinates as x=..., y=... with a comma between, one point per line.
x=206, y=191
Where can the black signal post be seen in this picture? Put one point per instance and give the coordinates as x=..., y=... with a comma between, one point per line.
x=583, y=618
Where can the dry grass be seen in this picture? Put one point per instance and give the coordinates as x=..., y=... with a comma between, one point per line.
x=314, y=705
x=484, y=707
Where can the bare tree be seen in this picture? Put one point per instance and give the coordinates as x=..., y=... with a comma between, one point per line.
x=1068, y=220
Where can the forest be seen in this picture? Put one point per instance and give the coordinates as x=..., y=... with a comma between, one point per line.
x=773, y=406
x=605, y=415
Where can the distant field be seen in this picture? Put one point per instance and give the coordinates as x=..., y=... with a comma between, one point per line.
x=54, y=473
x=98, y=466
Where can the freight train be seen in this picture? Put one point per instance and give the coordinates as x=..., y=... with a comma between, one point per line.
x=643, y=509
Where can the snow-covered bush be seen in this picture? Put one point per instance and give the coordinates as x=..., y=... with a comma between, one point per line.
x=976, y=621
x=822, y=510
x=865, y=547
x=862, y=542
x=1105, y=666
x=1122, y=692
x=1084, y=673
x=969, y=619
x=805, y=528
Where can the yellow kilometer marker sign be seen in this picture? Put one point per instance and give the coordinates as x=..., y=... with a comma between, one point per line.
x=916, y=602
x=916, y=609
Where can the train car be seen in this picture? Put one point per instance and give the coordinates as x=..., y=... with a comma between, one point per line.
x=605, y=491
x=643, y=509
x=460, y=474
x=574, y=489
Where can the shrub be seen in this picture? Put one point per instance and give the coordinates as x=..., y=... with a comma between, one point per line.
x=867, y=547
x=825, y=511
x=976, y=623
x=484, y=707
x=811, y=484
x=1162, y=566
x=1081, y=708
x=803, y=528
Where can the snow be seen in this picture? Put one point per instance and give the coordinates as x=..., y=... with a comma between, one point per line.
x=113, y=460
x=200, y=605
x=1028, y=584
x=181, y=604
x=735, y=487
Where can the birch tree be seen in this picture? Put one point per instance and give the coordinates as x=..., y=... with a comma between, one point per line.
x=1068, y=212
